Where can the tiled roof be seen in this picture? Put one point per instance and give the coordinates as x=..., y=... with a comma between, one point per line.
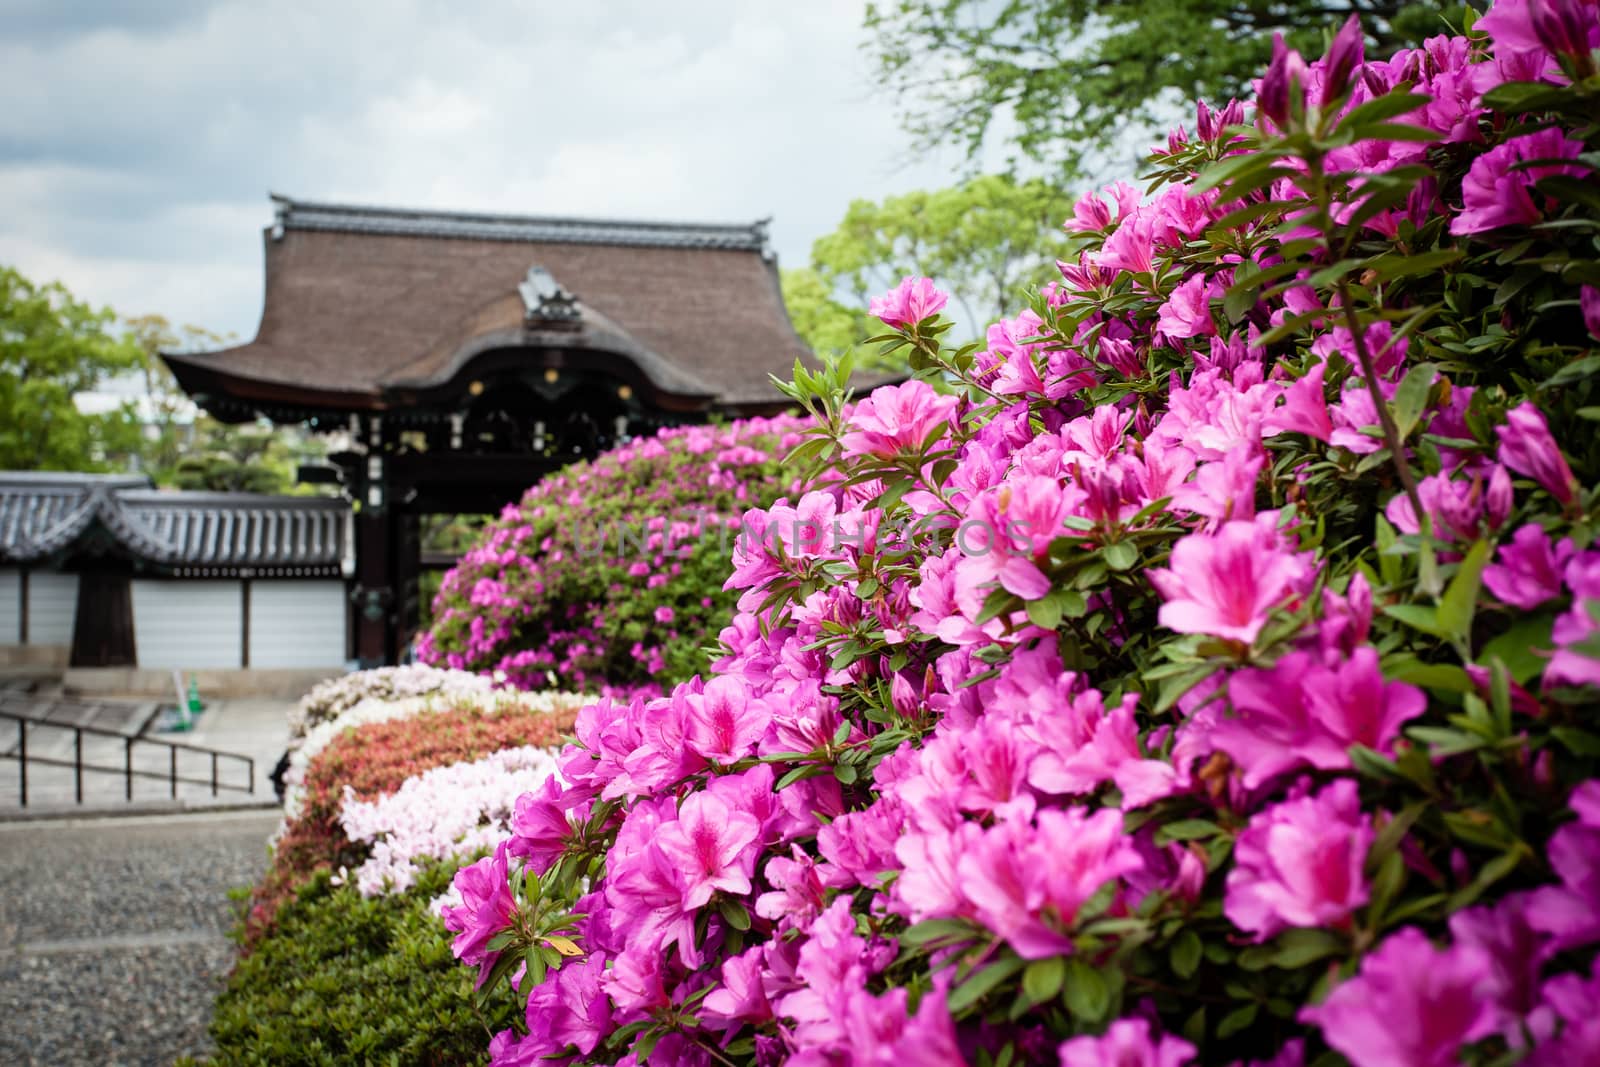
x=365, y=306
x=46, y=515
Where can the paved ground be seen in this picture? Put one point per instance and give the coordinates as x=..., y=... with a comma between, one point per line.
x=255, y=728
x=112, y=933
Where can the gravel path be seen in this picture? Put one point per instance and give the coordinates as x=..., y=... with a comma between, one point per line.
x=113, y=933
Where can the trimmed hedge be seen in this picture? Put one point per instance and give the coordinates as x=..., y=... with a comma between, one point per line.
x=345, y=979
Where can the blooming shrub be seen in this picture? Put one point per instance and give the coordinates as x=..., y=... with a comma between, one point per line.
x=608, y=575
x=327, y=700
x=375, y=759
x=375, y=710
x=1204, y=671
x=450, y=812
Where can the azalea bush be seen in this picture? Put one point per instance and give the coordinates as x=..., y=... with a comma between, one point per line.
x=609, y=574
x=451, y=812
x=1203, y=670
x=328, y=700
x=371, y=757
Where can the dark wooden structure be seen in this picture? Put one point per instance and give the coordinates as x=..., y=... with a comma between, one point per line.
x=466, y=355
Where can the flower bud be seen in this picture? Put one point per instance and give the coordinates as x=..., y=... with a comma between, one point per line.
x=1282, y=92
x=1345, y=55
x=1563, y=27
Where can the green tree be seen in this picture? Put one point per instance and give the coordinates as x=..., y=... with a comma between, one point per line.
x=979, y=240
x=53, y=347
x=1057, y=79
x=169, y=414
x=240, y=459
x=830, y=326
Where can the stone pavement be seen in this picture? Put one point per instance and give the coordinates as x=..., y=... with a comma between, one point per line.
x=113, y=933
x=255, y=728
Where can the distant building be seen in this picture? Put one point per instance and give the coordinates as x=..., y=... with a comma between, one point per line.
x=104, y=571
x=466, y=355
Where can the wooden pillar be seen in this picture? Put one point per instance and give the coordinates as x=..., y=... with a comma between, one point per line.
x=102, y=630
x=374, y=593
x=244, y=621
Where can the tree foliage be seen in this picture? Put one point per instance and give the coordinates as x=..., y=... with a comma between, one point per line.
x=52, y=347
x=1075, y=75
x=830, y=326
x=979, y=239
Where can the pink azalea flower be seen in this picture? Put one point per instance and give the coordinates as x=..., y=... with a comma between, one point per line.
x=912, y=301
x=1494, y=195
x=1299, y=863
x=1528, y=569
x=1304, y=408
x=1187, y=312
x=883, y=1033
x=724, y=723
x=1569, y=998
x=540, y=826
x=1516, y=951
x=1571, y=665
x=570, y=1008
x=1411, y=1005
x=712, y=846
x=485, y=910
x=1570, y=912
x=1092, y=212
x=1527, y=448
x=1126, y=1043
x=1460, y=509
x=1226, y=583
x=1027, y=879
x=897, y=418
x=1589, y=304
x=742, y=997
x=1302, y=712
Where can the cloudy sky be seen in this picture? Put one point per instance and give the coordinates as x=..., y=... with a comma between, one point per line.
x=138, y=141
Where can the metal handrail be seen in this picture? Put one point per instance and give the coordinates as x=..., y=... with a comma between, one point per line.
x=126, y=770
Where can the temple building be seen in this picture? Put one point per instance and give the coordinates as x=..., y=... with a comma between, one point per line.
x=102, y=570
x=462, y=356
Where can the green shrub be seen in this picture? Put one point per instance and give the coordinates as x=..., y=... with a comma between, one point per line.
x=345, y=979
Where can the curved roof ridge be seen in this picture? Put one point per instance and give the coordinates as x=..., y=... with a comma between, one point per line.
x=292, y=214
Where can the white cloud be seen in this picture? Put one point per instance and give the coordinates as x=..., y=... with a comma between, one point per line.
x=135, y=158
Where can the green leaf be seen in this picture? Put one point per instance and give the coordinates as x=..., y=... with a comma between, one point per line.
x=930, y=930
x=1578, y=742
x=1042, y=979
x=1045, y=613
x=1416, y=616
x=1120, y=555
x=1185, y=953
x=1085, y=991
x=976, y=987
x=734, y=913
x=1411, y=398
x=1299, y=946
x=1186, y=830
x=1576, y=371
x=1237, y=1020
x=1460, y=598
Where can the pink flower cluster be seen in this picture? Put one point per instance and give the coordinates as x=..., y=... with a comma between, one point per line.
x=603, y=577
x=1179, y=692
